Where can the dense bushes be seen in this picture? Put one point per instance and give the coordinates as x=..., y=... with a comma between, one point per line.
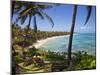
x=85, y=61
x=21, y=34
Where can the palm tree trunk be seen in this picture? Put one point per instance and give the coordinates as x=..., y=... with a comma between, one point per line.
x=28, y=27
x=30, y=17
x=12, y=10
x=71, y=34
x=35, y=28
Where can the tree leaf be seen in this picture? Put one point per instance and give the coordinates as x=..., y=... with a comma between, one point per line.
x=25, y=11
x=89, y=10
x=48, y=17
x=40, y=15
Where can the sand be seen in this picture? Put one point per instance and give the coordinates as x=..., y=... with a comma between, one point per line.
x=39, y=43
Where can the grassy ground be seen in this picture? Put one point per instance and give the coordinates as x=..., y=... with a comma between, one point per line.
x=42, y=61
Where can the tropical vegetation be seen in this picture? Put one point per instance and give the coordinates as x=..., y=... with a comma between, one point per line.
x=31, y=60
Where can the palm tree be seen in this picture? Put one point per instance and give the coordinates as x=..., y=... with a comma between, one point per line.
x=31, y=10
x=28, y=11
x=89, y=9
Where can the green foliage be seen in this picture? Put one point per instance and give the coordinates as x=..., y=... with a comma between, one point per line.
x=85, y=61
x=18, y=59
x=53, y=56
x=19, y=34
x=32, y=51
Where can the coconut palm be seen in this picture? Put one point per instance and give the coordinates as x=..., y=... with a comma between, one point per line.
x=89, y=9
x=29, y=11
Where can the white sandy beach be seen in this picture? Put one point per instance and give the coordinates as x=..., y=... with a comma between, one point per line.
x=43, y=41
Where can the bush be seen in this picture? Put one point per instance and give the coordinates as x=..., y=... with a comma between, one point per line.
x=52, y=56
x=85, y=61
x=18, y=59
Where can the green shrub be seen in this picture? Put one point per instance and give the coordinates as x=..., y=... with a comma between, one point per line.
x=18, y=59
x=85, y=61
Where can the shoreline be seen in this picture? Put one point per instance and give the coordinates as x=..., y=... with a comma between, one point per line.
x=39, y=43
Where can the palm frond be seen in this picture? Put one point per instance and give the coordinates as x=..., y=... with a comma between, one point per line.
x=17, y=9
x=21, y=19
x=89, y=10
x=40, y=15
x=48, y=17
x=17, y=19
x=25, y=11
x=44, y=6
x=17, y=5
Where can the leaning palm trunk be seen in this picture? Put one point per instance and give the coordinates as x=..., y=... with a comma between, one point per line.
x=35, y=28
x=71, y=34
x=25, y=38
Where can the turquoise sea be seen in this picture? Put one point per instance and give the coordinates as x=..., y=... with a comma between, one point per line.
x=81, y=42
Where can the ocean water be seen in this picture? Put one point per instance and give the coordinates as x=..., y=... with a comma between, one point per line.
x=81, y=42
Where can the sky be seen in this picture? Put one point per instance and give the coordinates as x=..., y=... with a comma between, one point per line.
x=62, y=18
